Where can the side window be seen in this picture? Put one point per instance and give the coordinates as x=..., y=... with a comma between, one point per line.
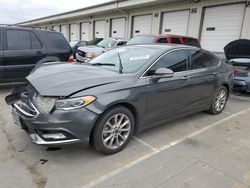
x=191, y=42
x=18, y=39
x=175, y=40
x=162, y=40
x=176, y=61
x=202, y=60
x=121, y=43
x=57, y=40
x=35, y=42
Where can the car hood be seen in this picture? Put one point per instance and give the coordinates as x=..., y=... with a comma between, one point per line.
x=91, y=48
x=65, y=79
x=237, y=49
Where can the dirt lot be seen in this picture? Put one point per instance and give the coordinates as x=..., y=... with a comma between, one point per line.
x=198, y=151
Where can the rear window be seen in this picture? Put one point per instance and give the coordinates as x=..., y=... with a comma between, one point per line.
x=141, y=40
x=191, y=42
x=57, y=40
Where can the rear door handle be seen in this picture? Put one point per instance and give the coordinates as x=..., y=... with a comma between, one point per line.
x=185, y=77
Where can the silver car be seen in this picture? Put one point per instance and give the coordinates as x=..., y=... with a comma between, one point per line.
x=86, y=53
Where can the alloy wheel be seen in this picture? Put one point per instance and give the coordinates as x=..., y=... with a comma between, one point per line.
x=220, y=100
x=116, y=131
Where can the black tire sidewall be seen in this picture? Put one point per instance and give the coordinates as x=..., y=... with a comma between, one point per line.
x=97, y=134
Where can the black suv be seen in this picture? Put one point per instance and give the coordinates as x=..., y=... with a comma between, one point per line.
x=22, y=48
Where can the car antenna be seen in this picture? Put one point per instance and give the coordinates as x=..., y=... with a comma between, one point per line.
x=120, y=63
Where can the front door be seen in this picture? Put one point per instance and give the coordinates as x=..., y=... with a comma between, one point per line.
x=168, y=96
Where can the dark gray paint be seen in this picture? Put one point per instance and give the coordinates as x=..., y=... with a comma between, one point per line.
x=151, y=102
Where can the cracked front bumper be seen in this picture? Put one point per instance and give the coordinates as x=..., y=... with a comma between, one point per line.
x=44, y=129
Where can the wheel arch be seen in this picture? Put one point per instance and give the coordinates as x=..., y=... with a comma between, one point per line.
x=127, y=105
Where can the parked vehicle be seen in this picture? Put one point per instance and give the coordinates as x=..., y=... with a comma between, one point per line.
x=85, y=54
x=172, y=39
x=238, y=53
x=76, y=44
x=118, y=94
x=22, y=48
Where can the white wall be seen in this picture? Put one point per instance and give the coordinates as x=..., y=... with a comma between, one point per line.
x=194, y=25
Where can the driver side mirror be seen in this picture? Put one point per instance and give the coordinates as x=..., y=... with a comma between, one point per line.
x=163, y=73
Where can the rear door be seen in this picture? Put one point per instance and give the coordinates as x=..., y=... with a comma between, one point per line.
x=23, y=49
x=204, y=78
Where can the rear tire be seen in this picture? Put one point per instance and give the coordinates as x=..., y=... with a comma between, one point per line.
x=219, y=101
x=113, y=130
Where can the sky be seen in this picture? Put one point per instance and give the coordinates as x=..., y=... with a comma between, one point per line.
x=14, y=11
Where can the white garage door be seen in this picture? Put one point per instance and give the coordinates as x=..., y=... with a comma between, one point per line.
x=118, y=27
x=74, y=32
x=221, y=25
x=99, y=31
x=64, y=31
x=142, y=25
x=85, y=31
x=56, y=28
x=175, y=22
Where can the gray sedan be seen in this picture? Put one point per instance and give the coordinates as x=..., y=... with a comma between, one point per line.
x=118, y=94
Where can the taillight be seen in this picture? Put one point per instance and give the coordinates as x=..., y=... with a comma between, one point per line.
x=71, y=58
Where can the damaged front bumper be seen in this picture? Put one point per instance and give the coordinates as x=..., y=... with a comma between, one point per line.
x=56, y=128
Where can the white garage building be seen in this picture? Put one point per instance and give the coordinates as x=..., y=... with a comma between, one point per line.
x=214, y=22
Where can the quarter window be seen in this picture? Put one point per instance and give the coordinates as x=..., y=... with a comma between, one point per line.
x=57, y=40
x=176, y=61
x=202, y=60
x=18, y=40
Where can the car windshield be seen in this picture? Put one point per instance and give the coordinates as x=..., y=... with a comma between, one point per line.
x=73, y=43
x=241, y=61
x=141, y=40
x=129, y=59
x=105, y=43
x=95, y=41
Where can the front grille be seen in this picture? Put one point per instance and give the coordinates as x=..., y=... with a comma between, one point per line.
x=81, y=53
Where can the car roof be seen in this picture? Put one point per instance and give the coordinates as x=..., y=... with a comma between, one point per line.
x=118, y=39
x=166, y=35
x=166, y=47
x=25, y=28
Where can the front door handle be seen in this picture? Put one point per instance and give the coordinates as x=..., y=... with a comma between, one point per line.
x=39, y=52
x=215, y=73
x=185, y=77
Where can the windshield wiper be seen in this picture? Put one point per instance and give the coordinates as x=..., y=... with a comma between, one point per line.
x=102, y=64
x=120, y=63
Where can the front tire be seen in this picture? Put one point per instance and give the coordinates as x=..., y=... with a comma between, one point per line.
x=219, y=101
x=113, y=130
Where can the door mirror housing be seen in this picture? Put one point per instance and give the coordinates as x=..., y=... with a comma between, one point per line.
x=163, y=73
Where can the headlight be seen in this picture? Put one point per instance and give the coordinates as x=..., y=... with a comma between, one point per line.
x=90, y=55
x=45, y=103
x=74, y=103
